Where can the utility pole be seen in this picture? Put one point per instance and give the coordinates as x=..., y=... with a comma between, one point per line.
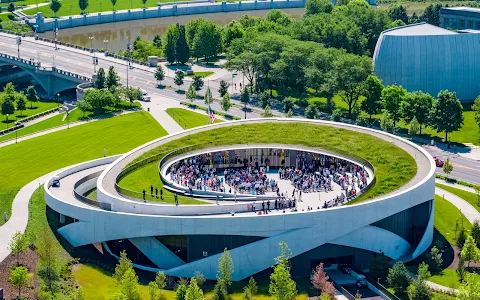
x=19, y=42
x=94, y=59
x=129, y=50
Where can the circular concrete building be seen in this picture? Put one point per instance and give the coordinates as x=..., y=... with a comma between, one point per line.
x=391, y=210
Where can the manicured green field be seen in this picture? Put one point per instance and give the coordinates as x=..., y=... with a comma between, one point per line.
x=38, y=107
x=471, y=198
x=446, y=215
x=188, y=119
x=30, y=159
x=201, y=74
x=394, y=167
x=70, y=7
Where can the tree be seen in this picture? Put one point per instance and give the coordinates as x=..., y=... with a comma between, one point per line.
x=179, y=78
x=161, y=280
x=417, y=105
x=282, y=287
x=48, y=263
x=157, y=41
x=379, y=267
x=193, y=291
x=220, y=291
x=225, y=268
x=114, y=2
x=32, y=95
x=447, y=114
x=413, y=127
x=153, y=291
x=393, y=96
x=197, y=83
x=21, y=103
x=320, y=282
x=112, y=79
x=170, y=43
x=447, y=167
x=17, y=244
x=398, y=278
x=83, y=4
x=419, y=289
x=8, y=107
x=476, y=232
x=435, y=258
x=476, y=110
x=288, y=104
x=267, y=112
x=347, y=78
x=181, y=292
x=100, y=80
x=11, y=7
x=208, y=98
x=252, y=286
x=398, y=12
x=199, y=278
x=431, y=14
x=20, y=278
x=98, y=99
x=470, y=251
x=311, y=111
x=84, y=106
x=207, y=41
x=191, y=95
x=55, y=6
x=128, y=287
x=159, y=74
x=226, y=104
x=461, y=272
x=373, y=96
x=245, y=99
x=144, y=2
x=182, y=51
x=313, y=7
x=233, y=30
x=470, y=289
x=223, y=88
x=124, y=264
x=461, y=238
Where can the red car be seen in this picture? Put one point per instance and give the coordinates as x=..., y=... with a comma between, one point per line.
x=438, y=161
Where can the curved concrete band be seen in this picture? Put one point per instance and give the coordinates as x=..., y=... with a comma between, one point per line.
x=303, y=231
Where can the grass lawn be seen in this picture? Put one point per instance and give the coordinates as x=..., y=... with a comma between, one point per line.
x=446, y=214
x=471, y=198
x=70, y=7
x=394, y=167
x=201, y=74
x=30, y=159
x=38, y=107
x=188, y=119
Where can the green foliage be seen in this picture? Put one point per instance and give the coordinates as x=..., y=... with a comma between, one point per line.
x=123, y=266
x=313, y=7
x=100, y=79
x=220, y=291
x=17, y=244
x=83, y=4
x=128, y=286
x=208, y=98
x=461, y=238
x=373, y=95
x=461, y=272
x=197, y=83
x=170, y=39
x=205, y=39
x=223, y=88
x=435, y=259
x=181, y=292
x=431, y=14
x=99, y=99
x=413, y=127
x=130, y=93
x=199, y=278
x=233, y=30
x=447, y=113
x=311, y=111
x=419, y=290
x=417, y=105
x=179, y=75
x=282, y=287
x=114, y=2
x=112, y=79
x=160, y=280
x=476, y=232
x=182, y=51
x=55, y=6
x=245, y=96
x=225, y=268
x=379, y=267
x=48, y=267
x=476, y=109
x=470, y=290
x=20, y=278
x=16, y=27
x=11, y=7
x=470, y=251
x=191, y=94
x=398, y=278
x=21, y=103
x=393, y=96
x=32, y=95
x=336, y=115
x=159, y=73
x=193, y=291
x=226, y=104
x=252, y=286
x=447, y=167
x=289, y=114
x=288, y=104
x=157, y=41
x=267, y=112
x=398, y=12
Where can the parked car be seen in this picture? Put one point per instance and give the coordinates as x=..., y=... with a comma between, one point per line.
x=438, y=162
x=145, y=97
x=56, y=182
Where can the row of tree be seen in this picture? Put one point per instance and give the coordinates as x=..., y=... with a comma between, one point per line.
x=12, y=101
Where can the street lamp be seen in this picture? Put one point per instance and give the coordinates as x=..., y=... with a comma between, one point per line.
x=56, y=37
x=94, y=59
x=53, y=60
x=58, y=100
x=129, y=50
x=106, y=45
x=19, y=42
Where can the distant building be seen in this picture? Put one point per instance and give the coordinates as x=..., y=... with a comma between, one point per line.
x=423, y=57
x=460, y=18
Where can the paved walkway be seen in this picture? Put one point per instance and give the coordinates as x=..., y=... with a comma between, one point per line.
x=457, y=186
x=466, y=208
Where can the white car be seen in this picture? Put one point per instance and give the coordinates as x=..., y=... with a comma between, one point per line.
x=145, y=97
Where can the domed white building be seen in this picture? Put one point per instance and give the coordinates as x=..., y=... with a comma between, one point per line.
x=423, y=57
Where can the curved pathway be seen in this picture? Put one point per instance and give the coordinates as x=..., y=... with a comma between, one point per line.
x=466, y=208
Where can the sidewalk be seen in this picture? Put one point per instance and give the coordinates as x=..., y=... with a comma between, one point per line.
x=466, y=208
x=457, y=186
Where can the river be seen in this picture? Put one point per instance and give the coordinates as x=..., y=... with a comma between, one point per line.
x=117, y=33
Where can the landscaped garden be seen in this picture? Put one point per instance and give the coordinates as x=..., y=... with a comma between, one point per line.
x=37, y=107
x=30, y=159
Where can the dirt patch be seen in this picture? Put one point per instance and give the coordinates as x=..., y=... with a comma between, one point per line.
x=29, y=260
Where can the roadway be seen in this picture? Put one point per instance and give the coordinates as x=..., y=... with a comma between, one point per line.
x=81, y=62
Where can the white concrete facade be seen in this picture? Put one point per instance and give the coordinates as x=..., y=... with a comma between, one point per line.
x=349, y=226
